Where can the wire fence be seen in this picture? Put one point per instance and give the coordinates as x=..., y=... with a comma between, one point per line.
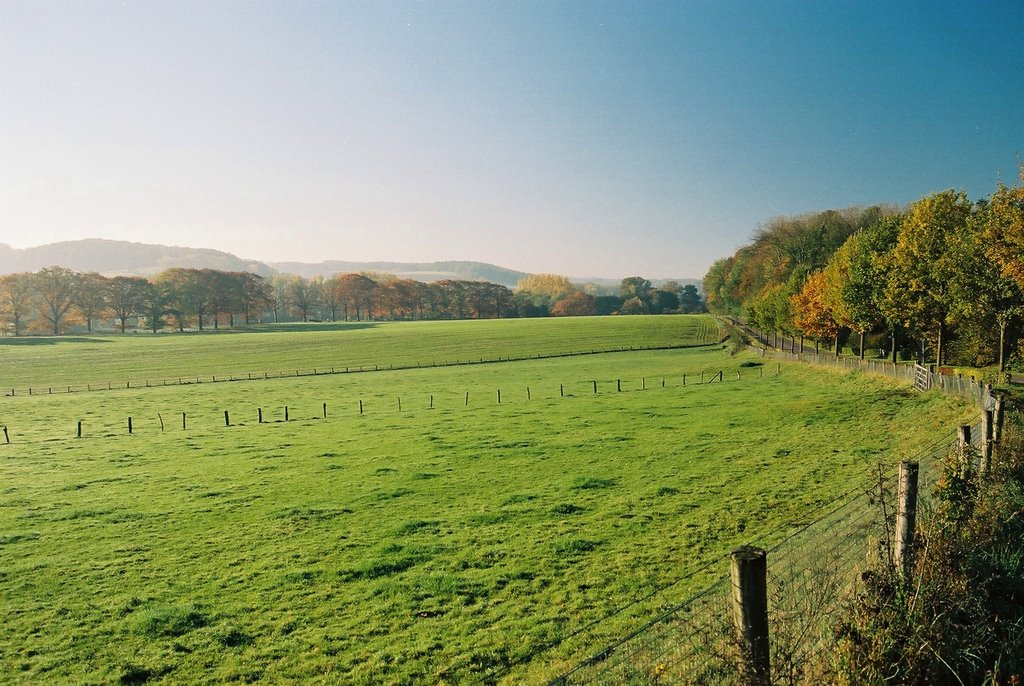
x=265, y=375
x=812, y=573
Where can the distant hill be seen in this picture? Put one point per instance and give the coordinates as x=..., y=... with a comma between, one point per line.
x=419, y=271
x=115, y=258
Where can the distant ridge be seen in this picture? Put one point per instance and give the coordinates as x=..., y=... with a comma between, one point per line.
x=419, y=271
x=117, y=258
x=126, y=258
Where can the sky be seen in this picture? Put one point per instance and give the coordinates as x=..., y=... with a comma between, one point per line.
x=582, y=138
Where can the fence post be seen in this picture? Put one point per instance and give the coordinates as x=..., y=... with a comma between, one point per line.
x=183, y=421
x=986, y=443
x=964, y=449
x=748, y=574
x=906, y=516
x=998, y=420
x=79, y=429
x=129, y=426
x=259, y=415
x=227, y=419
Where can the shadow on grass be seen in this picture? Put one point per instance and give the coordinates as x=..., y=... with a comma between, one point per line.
x=51, y=340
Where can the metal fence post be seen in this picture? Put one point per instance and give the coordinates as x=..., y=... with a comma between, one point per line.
x=748, y=573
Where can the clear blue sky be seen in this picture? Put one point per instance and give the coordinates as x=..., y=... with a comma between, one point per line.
x=583, y=138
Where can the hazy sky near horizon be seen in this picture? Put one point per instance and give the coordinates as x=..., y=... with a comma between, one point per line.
x=584, y=138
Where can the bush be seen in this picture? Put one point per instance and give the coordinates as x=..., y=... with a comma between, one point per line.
x=959, y=618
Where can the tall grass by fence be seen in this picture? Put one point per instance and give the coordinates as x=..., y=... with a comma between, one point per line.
x=811, y=572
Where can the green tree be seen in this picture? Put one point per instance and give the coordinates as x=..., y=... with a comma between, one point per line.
x=636, y=287
x=983, y=291
x=690, y=301
x=920, y=266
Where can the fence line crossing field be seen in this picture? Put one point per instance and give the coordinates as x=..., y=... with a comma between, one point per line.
x=49, y=362
x=446, y=541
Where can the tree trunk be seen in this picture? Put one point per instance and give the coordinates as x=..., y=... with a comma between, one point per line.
x=938, y=348
x=1002, y=346
x=837, y=345
x=893, y=351
x=862, y=345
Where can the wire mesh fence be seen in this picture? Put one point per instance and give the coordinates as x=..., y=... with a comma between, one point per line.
x=811, y=575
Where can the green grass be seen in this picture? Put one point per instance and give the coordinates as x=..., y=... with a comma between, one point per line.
x=56, y=362
x=423, y=545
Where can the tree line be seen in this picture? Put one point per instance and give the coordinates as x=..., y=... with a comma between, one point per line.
x=942, y=278
x=54, y=298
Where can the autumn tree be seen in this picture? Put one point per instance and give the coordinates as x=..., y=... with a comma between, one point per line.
x=17, y=299
x=304, y=296
x=811, y=313
x=576, y=305
x=1003, y=229
x=126, y=297
x=188, y=295
x=356, y=293
x=256, y=295
x=90, y=296
x=56, y=287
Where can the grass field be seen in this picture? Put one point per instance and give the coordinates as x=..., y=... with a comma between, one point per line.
x=452, y=544
x=59, y=362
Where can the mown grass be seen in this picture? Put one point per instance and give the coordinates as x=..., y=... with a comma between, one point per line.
x=56, y=362
x=462, y=543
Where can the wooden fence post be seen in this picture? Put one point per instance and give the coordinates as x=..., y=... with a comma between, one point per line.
x=561, y=390
x=325, y=410
x=286, y=413
x=360, y=407
x=964, y=449
x=906, y=517
x=998, y=420
x=748, y=574
x=618, y=385
x=986, y=442
x=129, y=426
x=595, y=387
x=7, y=436
x=79, y=428
x=183, y=421
x=259, y=415
x=227, y=419
x=399, y=404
